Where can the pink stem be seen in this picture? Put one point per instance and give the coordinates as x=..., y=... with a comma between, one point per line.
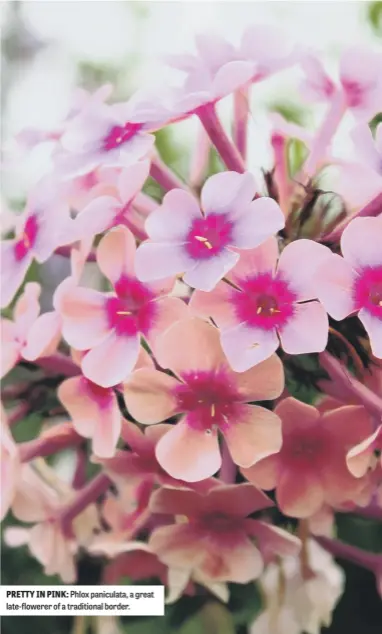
x=79, y=477
x=85, y=496
x=240, y=121
x=57, y=438
x=164, y=176
x=228, y=468
x=66, y=250
x=58, y=364
x=281, y=175
x=339, y=374
x=137, y=231
x=339, y=549
x=372, y=512
x=373, y=208
x=324, y=135
x=200, y=157
x=18, y=413
x=228, y=151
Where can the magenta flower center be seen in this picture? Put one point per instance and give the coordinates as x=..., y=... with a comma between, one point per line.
x=132, y=310
x=210, y=400
x=367, y=291
x=120, y=134
x=27, y=239
x=264, y=301
x=354, y=93
x=304, y=449
x=208, y=236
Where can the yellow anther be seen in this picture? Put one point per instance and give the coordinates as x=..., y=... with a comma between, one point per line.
x=259, y=310
x=212, y=410
x=26, y=240
x=255, y=345
x=124, y=312
x=274, y=310
x=206, y=242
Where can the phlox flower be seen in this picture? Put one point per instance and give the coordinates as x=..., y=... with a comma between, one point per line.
x=362, y=457
x=94, y=409
x=269, y=48
x=9, y=465
x=114, y=208
x=40, y=229
x=30, y=335
x=353, y=283
x=109, y=325
x=37, y=503
x=295, y=604
x=108, y=135
x=268, y=304
x=215, y=535
x=310, y=468
x=184, y=239
x=212, y=398
x=360, y=81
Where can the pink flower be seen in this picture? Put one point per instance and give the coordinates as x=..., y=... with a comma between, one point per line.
x=94, y=410
x=216, y=537
x=29, y=336
x=310, y=468
x=368, y=149
x=185, y=239
x=44, y=226
x=362, y=457
x=353, y=283
x=109, y=326
x=108, y=135
x=9, y=464
x=212, y=398
x=266, y=304
x=360, y=78
x=106, y=211
x=269, y=48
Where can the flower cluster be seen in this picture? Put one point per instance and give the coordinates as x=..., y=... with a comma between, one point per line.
x=180, y=376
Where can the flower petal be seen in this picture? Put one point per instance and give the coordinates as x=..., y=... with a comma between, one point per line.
x=334, y=283
x=215, y=304
x=169, y=310
x=261, y=220
x=298, y=265
x=228, y=192
x=149, y=395
x=172, y=221
x=263, y=382
x=238, y=500
x=132, y=179
x=157, y=261
x=188, y=454
x=84, y=317
x=43, y=336
x=373, y=326
x=264, y=473
x=361, y=242
x=245, y=347
x=207, y=273
x=96, y=217
x=254, y=437
x=12, y=271
x=116, y=253
x=307, y=330
x=299, y=496
x=262, y=259
x=111, y=361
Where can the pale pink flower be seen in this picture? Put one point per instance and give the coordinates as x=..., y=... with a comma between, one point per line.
x=369, y=149
x=9, y=465
x=184, y=239
x=310, y=468
x=43, y=226
x=268, y=304
x=106, y=211
x=30, y=335
x=109, y=135
x=269, y=48
x=360, y=81
x=212, y=398
x=109, y=325
x=353, y=283
x=94, y=410
x=216, y=537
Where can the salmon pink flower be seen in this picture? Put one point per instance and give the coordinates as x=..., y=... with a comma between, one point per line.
x=109, y=326
x=185, y=239
x=108, y=135
x=353, y=283
x=362, y=457
x=9, y=464
x=310, y=468
x=106, y=211
x=29, y=335
x=268, y=303
x=94, y=410
x=212, y=398
x=216, y=538
x=44, y=226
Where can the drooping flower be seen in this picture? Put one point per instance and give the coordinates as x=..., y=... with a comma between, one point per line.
x=216, y=538
x=353, y=283
x=109, y=326
x=106, y=211
x=109, y=135
x=43, y=226
x=310, y=468
x=182, y=239
x=269, y=301
x=295, y=604
x=212, y=398
x=9, y=464
x=29, y=335
x=360, y=81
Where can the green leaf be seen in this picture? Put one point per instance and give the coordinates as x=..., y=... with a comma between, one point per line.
x=245, y=602
x=374, y=14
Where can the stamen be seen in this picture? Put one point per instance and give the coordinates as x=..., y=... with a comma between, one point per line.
x=26, y=240
x=255, y=345
x=124, y=312
x=259, y=310
x=206, y=242
x=274, y=310
x=212, y=410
